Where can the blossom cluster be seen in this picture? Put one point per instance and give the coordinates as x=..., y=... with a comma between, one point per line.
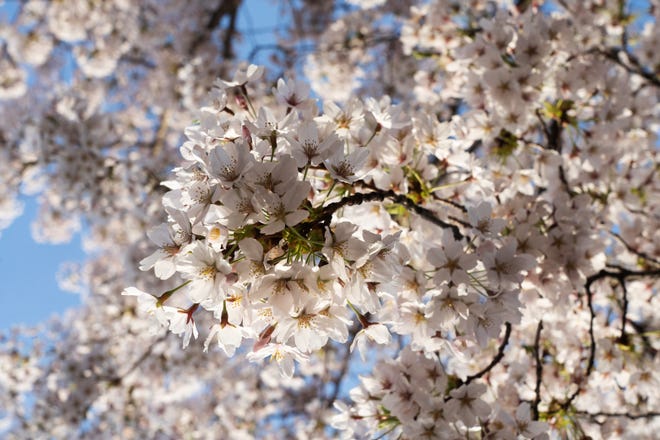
x=408, y=398
x=288, y=224
x=267, y=228
x=454, y=213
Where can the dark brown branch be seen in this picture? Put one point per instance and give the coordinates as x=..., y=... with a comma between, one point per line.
x=227, y=51
x=341, y=374
x=592, y=341
x=475, y=146
x=137, y=59
x=633, y=250
x=539, y=371
x=224, y=8
x=641, y=330
x=115, y=381
x=564, y=181
x=636, y=68
x=553, y=135
x=621, y=275
x=286, y=51
x=451, y=202
x=624, y=312
x=379, y=196
x=300, y=50
x=459, y=221
x=647, y=415
x=496, y=360
x=426, y=214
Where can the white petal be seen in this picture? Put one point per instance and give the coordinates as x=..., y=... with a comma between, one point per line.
x=273, y=227
x=296, y=217
x=379, y=334
x=133, y=291
x=252, y=249
x=164, y=269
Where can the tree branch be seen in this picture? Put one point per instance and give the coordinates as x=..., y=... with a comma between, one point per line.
x=300, y=50
x=613, y=53
x=539, y=371
x=224, y=8
x=624, y=312
x=496, y=360
x=451, y=202
x=640, y=329
x=621, y=275
x=592, y=341
x=115, y=381
x=633, y=250
x=227, y=51
x=647, y=415
x=379, y=196
x=553, y=135
x=341, y=374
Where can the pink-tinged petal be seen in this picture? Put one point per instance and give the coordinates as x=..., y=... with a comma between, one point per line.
x=160, y=235
x=295, y=217
x=294, y=196
x=273, y=227
x=252, y=249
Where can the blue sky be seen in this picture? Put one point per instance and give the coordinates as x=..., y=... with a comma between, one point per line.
x=29, y=292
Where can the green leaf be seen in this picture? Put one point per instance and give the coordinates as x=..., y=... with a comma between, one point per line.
x=505, y=144
x=559, y=111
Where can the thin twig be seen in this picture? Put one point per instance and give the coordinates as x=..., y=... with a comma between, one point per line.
x=450, y=202
x=633, y=250
x=641, y=330
x=624, y=273
x=553, y=135
x=613, y=53
x=379, y=196
x=624, y=415
x=496, y=360
x=227, y=50
x=118, y=379
x=624, y=312
x=300, y=50
x=539, y=371
x=224, y=8
x=621, y=275
x=341, y=374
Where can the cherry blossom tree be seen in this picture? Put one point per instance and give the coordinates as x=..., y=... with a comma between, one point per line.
x=431, y=219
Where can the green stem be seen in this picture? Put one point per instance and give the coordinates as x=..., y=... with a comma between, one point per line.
x=373, y=135
x=165, y=296
x=363, y=321
x=479, y=283
x=334, y=183
x=306, y=240
x=447, y=185
x=249, y=101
